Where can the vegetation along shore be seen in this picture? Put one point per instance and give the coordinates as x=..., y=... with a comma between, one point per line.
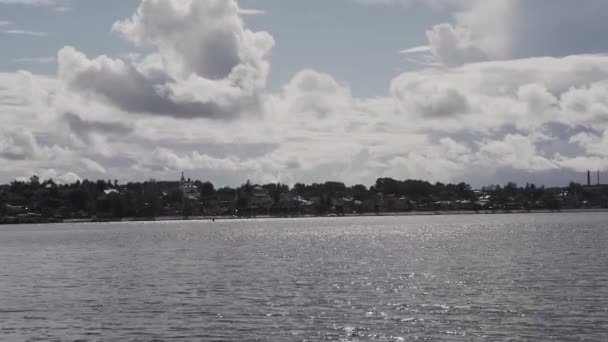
x=41, y=201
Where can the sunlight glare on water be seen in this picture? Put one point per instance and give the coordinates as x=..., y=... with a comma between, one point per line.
x=448, y=278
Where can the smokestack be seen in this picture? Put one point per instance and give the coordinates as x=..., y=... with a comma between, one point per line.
x=588, y=178
x=598, y=178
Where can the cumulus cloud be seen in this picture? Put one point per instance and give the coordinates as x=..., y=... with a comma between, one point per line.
x=23, y=145
x=514, y=151
x=593, y=144
x=169, y=160
x=431, y=100
x=18, y=145
x=525, y=93
x=84, y=127
x=498, y=115
x=205, y=62
x=479, y=111
x=581, y=163
x=316, y=94
x=454, y=45
x=510, y=29
x=59, y=178
x=95, y=135
x=436, y=124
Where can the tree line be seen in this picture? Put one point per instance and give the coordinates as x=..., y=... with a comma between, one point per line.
x=149, y=199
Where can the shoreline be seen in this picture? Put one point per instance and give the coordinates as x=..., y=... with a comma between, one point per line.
x=258, y=217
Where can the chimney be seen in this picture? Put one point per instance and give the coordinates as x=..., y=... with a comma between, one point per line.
x=588, y=178
x=598, y=178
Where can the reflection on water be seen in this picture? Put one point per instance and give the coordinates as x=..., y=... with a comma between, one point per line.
x=456, y=278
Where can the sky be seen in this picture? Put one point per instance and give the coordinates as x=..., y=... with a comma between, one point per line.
x=480, y=91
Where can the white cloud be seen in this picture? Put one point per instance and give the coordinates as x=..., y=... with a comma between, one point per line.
x=447, y=123
x=595, y=145
x=510, y=29
x=206, y=64
x=514, y=151
x=409, y=3
x=454, y=45
x=35, y=60
x=320, y=131
x=581, y=163
x=56, y=5
x=18, y=32
x=508, y=93
x=169, y=160
x=18, y=145
x=250, y=11
x=94, y=166
x=52, y=174
x=27, y=2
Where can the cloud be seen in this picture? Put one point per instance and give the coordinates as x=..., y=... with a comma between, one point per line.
x=52, y=174
x=417, y=49
x=314, y=94
x=408, y=3
x=250, y=11
x=93, y=166
x=169, y=160
x=511, y=29
x=437, y=124
x=474, y=115
x=432, y=100
x=35, y=60
x=205, y=64
x=85, y=128
x=56, y=5
x=444, y=123
x=538, y=99
x=27, y=2
x=595, y=145
x=17, y=32
x=508, y=93
x=18, y=145
x=514, y=151
x=453, y=45
x=581, y=163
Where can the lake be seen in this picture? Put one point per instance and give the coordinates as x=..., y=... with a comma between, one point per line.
x=537, y=277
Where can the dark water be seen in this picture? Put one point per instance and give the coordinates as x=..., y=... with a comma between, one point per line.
x=456, y=278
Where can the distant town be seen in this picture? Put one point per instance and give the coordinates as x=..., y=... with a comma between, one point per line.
x=44, y=201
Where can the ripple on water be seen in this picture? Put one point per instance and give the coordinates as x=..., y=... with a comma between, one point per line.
x=461, y=278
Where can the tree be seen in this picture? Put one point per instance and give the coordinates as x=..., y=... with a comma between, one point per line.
x=117, y=205
x=34, y=181
x=359, y=192
x=207, y=190
x=248, y=187
x=187, y=208
x=78, y=199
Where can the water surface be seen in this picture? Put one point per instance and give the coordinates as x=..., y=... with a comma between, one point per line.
x=449, y=278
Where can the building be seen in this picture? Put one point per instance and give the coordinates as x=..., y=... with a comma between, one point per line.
x=260, y=198
x=188, y=188
x=14, y=210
